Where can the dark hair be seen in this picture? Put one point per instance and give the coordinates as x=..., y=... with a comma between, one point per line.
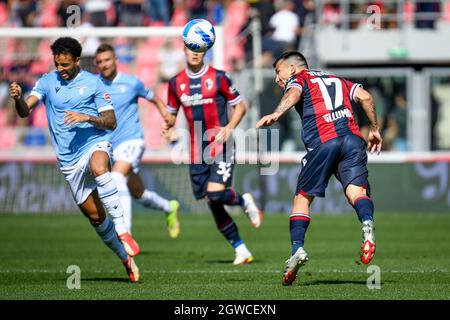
x=286, y=55
x=104, y=47
x=66, y=45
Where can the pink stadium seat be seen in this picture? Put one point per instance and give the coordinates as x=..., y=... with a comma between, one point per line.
x=179, y=18
x=148, y=75
x=3, y=14
x=446, y=12
x=40, y=117
x=3, y=117
x=7, y=138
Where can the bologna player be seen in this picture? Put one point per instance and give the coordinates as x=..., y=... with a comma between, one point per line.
x=79, y=113
x=128, y=141
x=334, y=146
x=204, y=93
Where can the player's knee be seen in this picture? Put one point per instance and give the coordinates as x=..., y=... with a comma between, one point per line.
x=95, y=219
x=99, y=169
x=215, y=196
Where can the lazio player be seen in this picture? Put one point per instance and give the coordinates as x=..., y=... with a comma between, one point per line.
x=79, y=113
x=128, y=140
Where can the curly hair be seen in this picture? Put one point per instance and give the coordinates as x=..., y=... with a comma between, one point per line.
x=66, y=45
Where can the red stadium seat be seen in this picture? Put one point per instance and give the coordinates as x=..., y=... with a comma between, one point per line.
x=8, y=138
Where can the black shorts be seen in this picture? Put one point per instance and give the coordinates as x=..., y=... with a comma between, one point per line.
x=201, y=174
x=345, y=157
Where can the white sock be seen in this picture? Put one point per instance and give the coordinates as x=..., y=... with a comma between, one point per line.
x=151, y=199
x=125, y=197
x=109, y=196
x=242, y=250
x=106, y=231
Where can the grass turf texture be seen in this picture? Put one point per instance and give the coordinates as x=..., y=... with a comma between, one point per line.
x=412, y=253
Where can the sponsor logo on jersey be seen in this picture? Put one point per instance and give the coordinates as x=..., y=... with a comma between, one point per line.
x=194, y=100
x=81, y=90
x=57, y=89
x=106, y=96
x=335, y=115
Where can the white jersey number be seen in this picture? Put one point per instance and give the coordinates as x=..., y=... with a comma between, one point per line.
x=324, y=83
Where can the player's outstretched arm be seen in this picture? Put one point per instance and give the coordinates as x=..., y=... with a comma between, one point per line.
x=289, y=99
x=224, y=133
x=366, y=101
x=106, y=119
x=23, y=107
x=157, y=101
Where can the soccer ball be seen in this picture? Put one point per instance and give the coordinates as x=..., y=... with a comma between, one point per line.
x=199, y=35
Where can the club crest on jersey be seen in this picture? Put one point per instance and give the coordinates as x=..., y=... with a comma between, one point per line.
x=106, y=96
x=182, y=86
x=81, y=90
x=122, y=88
x=209, y=84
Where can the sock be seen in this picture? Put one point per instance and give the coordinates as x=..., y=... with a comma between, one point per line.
x=364, y=208
x=109, y=196
x=125, y=197
x=298, y=224
x=225, y=223
x=228, y=197
x=108, y=234
x=150, y=199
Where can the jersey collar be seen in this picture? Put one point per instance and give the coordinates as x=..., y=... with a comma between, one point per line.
x=199, y=74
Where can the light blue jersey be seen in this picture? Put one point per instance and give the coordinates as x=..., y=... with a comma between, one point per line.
x=84, y=94
x=125, y=91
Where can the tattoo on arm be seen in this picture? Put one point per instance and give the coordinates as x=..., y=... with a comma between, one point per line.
x=370, y=110
x=106, y=120
x=288, y=100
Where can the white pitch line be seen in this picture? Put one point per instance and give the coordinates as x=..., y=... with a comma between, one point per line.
x=223, y=271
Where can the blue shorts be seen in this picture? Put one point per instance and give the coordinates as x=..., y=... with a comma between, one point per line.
x=201, y=174
x=345, y=157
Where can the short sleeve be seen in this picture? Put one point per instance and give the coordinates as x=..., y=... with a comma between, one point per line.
x=293, y=82
x=144, y=92
x=173, y=102
x=227, y=89
x=40, y=89
x=353, y=88
x=102, y=98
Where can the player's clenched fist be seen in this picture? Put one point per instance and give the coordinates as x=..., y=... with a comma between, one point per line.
x=15, y=91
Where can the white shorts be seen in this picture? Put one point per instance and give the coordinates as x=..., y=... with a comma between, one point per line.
x=130, y=151
x=79, y=176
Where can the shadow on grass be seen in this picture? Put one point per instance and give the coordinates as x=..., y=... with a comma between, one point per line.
x=334, y=281
x=123, y=280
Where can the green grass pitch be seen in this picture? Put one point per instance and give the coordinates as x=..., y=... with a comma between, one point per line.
x=413, y=254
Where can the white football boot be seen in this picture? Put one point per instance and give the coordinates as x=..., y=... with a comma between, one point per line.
x=252, y=211
x=368, y=242
x=293, y=264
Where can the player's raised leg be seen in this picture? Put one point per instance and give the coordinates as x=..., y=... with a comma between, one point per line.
x=109, y=196
x=226, y=224
x=92, y=208
x=298, y=225
x=363, y=205
x=232, y=198
x=151, y=199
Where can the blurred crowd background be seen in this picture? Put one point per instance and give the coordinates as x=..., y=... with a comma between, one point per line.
x=284, y=25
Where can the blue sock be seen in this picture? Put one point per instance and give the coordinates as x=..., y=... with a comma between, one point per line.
x=225, y=223
x=298, y=224
x=227, y=196
x=364, y=208
x=107, y=232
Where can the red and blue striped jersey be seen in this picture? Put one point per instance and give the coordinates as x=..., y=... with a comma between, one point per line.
x=325, y=106
x=204, y=97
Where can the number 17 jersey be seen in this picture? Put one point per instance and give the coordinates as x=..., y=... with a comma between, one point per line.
x=325, y=106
